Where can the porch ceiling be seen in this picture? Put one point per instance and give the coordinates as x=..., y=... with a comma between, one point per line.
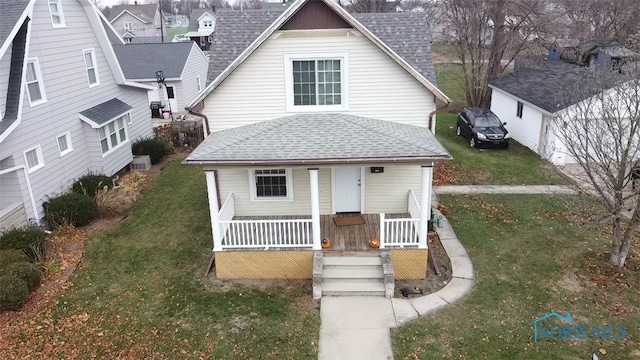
x=319, y=138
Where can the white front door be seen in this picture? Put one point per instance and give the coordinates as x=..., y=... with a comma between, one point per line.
x=347, y=192
x=171, y=97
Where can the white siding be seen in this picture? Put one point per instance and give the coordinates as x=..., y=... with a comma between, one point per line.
x=60, y=56
x=525, y=130
x=139, y=28
x=12, y=217
x=378, y=87
x=387, y=192
x=5, y=67
x=196, y=65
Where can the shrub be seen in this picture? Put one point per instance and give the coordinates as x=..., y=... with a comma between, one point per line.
x=156, y=149
x=8, y=257
x=114, y=201
x=28, y=272
x=75, y=209
x=90, y=184
x=13, y=292
x=29, y=240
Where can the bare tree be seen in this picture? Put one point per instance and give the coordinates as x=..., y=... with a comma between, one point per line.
x=368, y=5
x=601, y=131
x=489, y=34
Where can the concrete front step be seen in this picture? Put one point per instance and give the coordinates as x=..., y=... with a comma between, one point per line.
x=353, y=289
x=351, y=261
x=353, y=275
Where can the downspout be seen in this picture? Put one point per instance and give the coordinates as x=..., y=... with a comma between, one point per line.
x=207, y=132
x=29, y=189
x=433, y=113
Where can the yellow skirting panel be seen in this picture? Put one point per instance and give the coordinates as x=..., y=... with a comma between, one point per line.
x=409, y=264
x=264, y=264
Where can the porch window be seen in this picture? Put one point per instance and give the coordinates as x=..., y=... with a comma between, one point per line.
x=271, y=184
x=316, y=83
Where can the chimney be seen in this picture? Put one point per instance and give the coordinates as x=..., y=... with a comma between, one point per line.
x=284, y=2
x=213, y=8
x=135, y=2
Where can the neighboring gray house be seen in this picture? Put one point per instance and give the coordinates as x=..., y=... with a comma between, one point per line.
x=202, y=24
x=65, y=110
x=184, y=67
x=135, y=20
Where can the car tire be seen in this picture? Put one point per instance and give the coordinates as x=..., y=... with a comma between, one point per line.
x=472, y=142
x=458, y=131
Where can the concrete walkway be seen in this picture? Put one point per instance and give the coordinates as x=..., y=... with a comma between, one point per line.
x=505, y=189
x=357, y=328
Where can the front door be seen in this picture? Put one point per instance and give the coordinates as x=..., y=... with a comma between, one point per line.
x=171, y=96
x=347, y=194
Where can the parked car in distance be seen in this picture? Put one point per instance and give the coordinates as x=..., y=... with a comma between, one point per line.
x=482, y=127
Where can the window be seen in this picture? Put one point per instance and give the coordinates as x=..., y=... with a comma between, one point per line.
x=57, y=16
x=127, y=40
x=33, y=158
x=113, y=134
x=34, y=83
x=64, y=144
x=128, y=26
x=90, y=64
x=316, y=84
x=207, y=23
x=519, y=110
x=271, y=184
x=198, y=85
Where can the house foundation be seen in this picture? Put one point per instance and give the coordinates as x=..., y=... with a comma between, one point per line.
x=264, y=264
x=410, y=264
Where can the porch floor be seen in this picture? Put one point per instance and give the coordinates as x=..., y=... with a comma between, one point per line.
x=343, y=238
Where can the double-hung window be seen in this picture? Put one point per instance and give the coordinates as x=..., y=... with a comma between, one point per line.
x=34, y=159
x=57, y=16
x=91, y=66
x=316, y=83
x=128, y=26
x=113, y=134
x=271, y=184
x=35, y=87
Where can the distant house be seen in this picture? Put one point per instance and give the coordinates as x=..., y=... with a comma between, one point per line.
x=184, y=67
x=177, y=21
x=202, y=24
x=529, y=99
x=135, y=20
x=65, y=110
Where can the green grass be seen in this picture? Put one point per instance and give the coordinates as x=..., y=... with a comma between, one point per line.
x=532, y=255
x=177, y=31
x=140, y=293
x=449, y=78
x=515, y=166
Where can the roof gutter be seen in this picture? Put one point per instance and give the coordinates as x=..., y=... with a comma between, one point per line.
x=207, y=132
x=432, y=123
x=327, y=161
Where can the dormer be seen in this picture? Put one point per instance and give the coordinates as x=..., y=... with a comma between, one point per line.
x=206, y=21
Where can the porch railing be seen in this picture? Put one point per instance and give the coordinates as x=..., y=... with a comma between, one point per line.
x=403, y=231
x=264, y=233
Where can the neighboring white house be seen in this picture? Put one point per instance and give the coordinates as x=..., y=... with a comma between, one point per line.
x=529, y=99
x=202, y=24
x=138, y=20
x=184, y=67
x=319, y=113
x=65, y=110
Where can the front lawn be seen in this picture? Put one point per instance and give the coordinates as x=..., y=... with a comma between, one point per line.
x=533, y=255
x=515, y=166
x=140, y=293
x=450, y=82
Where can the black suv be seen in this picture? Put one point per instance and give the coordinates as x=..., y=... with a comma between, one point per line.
x=482, y=127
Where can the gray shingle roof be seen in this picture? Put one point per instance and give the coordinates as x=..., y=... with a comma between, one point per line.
x=141, y=61
x=319, y=138
x=11, y=11
x=108, y=110
x=151, y=39
x=545, y=84
x=406, y=33
x=145, y=12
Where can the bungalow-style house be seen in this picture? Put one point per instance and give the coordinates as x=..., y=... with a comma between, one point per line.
x=530, y=98
x=321, y=115
x=183, y=65
x=136, y=20
x=202, y=24
x=65, y=110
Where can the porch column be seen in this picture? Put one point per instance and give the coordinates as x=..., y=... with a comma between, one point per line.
x=214, y=209
x=315, y=208
x=425, y=205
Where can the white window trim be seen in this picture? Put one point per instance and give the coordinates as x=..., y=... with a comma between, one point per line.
x=91, y=51
x=252, y=186
x=344, y=81
x=129, y=28
x=106, y=129
x=36, y=64
x=61, y=14
x=40, y=165
x=69, y=144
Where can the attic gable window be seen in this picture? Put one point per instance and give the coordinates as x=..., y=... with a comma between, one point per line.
x=57, y=16
x=316, y=83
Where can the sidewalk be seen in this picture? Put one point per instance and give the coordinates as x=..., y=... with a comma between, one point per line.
x=505, y=189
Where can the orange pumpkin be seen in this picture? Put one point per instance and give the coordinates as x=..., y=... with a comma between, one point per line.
x=374, y=243
x=326, y=243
